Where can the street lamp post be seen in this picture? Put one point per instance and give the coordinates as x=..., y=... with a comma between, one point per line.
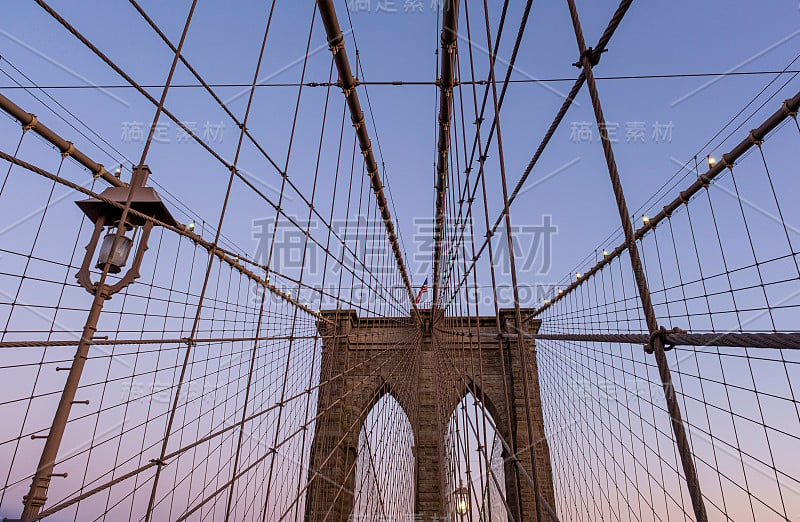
x=106, y=214
x=461, y=497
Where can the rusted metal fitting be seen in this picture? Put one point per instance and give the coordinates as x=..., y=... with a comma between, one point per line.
x=70, y=150
x=661, y=334
x=593, y=56
x=31, y=124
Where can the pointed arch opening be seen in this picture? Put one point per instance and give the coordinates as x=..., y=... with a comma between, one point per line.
x=385, y=464
x=476, y=468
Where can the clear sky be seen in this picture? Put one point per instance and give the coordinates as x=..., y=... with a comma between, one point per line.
x=659, y=122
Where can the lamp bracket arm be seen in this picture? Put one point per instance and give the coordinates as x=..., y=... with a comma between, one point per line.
x=83, y=276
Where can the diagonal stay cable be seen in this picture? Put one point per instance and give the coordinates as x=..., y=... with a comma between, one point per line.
x=600, y=47
x=336, y=43
x=237, y=172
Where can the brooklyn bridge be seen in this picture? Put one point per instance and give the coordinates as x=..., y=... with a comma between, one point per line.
x=399, y=260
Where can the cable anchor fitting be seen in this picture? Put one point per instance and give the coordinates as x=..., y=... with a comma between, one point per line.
x=31, y=124
x=337, y=45
x=661, y=334
x=592, y=54
x=69, y=151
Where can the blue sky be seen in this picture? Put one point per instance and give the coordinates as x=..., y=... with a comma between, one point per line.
x=670, y=120
x=223, y=40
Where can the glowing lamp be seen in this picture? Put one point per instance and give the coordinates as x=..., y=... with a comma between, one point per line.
x=461, y=497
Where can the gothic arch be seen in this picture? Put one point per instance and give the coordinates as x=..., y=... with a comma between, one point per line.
x=488, y=401
x=372, y=356
x=371, y=392
x=480, y=446
x=375, y=484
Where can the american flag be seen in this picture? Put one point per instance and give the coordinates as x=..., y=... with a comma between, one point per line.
x=422, y=290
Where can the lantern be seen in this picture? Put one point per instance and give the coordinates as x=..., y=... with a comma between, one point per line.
x=106, y=213
x=461, y=497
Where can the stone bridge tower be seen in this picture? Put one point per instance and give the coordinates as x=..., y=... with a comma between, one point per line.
x=357, y=349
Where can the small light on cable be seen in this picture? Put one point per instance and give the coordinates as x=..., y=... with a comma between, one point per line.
x=606, y=254
x=645, y=219
x=191, y=226
x=711, y=161
x=577, y=275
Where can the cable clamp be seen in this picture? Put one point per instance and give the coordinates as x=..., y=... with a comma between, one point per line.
x=336, y=47
x=31, y=124
x=159, y=462
x=592, y=54
x=787, y=110
x=757, y=142
x=661, y=334
x=69, y=151
x=99, y=172
x=449, y=46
